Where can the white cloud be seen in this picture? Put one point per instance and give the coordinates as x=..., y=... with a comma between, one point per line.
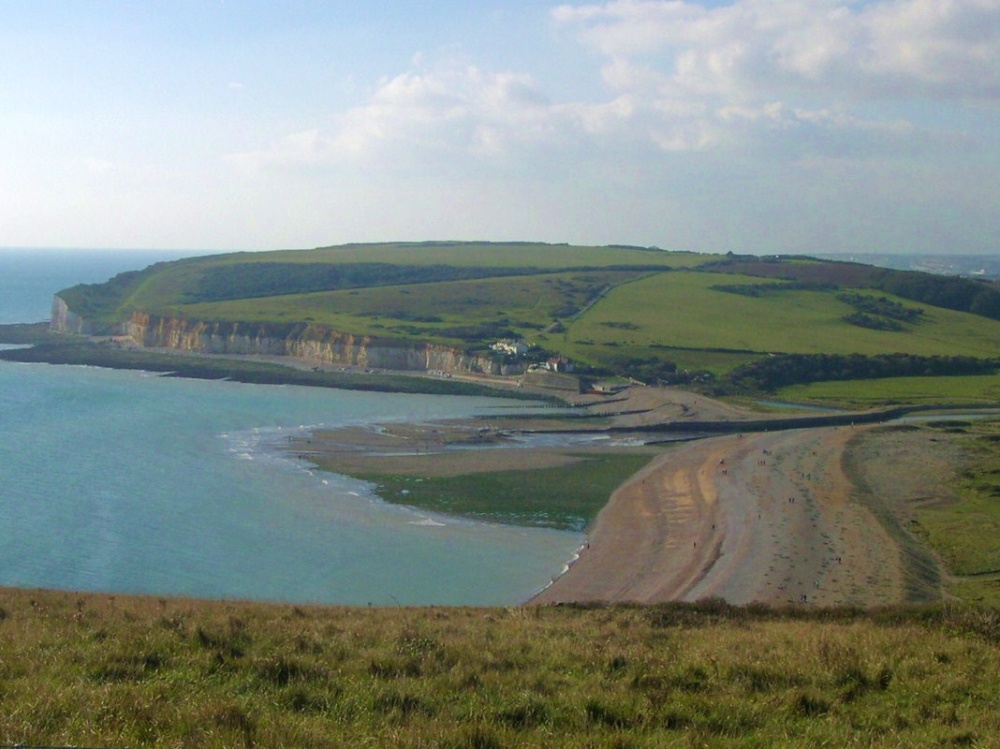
x=768, y=111
x=795, y=75
x=941, y=48
x=946, y=48
x=449, y=112
x=678, y=77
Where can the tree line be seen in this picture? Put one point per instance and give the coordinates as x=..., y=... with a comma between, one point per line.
x=949, y=292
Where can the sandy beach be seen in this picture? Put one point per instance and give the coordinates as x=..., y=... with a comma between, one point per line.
x=764, y=518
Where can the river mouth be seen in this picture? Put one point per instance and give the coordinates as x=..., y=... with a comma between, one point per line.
x=557, y=480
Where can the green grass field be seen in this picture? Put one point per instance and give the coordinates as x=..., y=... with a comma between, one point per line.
x=513, y=254
x=681, y=309
x=975, y=390
x=165, y=289
x=965, y=532
x=524, y=304
x=938, y=498
x=106, y=671
x=565, y=497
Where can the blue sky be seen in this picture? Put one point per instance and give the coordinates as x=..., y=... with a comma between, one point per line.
x=752, y=125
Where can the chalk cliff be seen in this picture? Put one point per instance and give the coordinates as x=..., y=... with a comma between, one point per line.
x=309, y=342
x=64, y=320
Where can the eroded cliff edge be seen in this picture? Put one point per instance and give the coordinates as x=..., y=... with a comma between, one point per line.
x=65, y=320
x=305, y=341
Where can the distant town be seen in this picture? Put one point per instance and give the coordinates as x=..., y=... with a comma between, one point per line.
x=971, y=266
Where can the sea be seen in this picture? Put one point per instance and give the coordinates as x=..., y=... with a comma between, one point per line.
x=128, y=482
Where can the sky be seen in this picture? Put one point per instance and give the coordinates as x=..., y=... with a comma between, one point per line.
x=760, y=126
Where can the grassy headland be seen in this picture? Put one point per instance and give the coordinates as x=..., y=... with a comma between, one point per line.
x=634, y=312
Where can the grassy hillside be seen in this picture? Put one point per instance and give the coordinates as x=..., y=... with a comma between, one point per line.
x=463, y=312
x=715, y=330
x=636, y=312
x=684, y=309
x=168, y=286
x=965, y=531
x=112, y=671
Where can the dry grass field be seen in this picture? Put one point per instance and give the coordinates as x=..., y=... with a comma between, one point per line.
x=105, y=671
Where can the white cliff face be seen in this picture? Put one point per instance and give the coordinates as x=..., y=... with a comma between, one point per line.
x=308, y=342
x=64, y=320
x=311, y=343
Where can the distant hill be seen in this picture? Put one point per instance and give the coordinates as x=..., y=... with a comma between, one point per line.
x=730, y=322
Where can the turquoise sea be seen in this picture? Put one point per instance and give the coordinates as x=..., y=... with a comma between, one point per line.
x=127, y=482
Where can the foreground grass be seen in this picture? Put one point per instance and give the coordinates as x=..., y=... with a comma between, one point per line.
x=106, y=671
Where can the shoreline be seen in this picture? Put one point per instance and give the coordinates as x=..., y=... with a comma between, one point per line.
x=766, y=517
x=705, y=519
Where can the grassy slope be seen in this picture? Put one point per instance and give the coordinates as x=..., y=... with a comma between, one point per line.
x=523, y=303
x=965, y=532
x=935, y=487
x=526, y=302
x=502, y=254
x=106, y=671
x=161, y=291
x=682, y=310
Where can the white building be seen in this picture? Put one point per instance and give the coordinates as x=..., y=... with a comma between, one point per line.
x=510, y=348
